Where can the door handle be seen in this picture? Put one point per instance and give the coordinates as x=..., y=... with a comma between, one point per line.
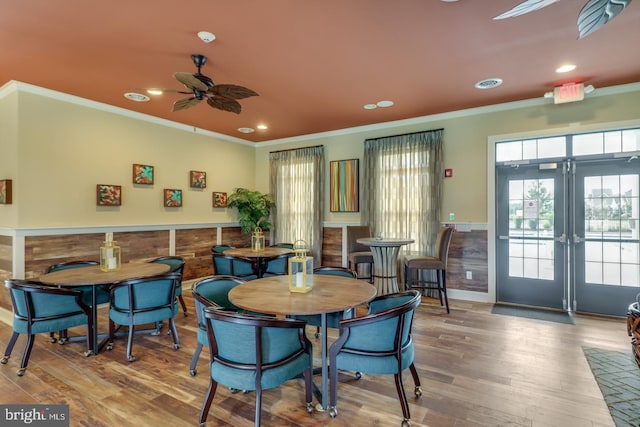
x=561, y=238
x=577, y=239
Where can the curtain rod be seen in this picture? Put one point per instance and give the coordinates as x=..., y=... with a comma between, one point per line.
x=405, y=134
x=293, y=149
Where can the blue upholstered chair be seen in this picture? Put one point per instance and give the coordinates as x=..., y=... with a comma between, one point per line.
x=378, y=343
x=39, y=309
x=210, y=292
x=255, y=353
x=220, y=248
x=243, y=268
x=333, y=319
x=276, y=266
x=142, y=301
x=176, y=265
x=102, y=291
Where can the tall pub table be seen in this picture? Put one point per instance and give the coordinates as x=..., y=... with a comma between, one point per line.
x=259, y=256
x=93, y=276
x=385, y=262
x=330, y=294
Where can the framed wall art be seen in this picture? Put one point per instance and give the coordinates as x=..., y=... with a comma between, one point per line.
x=344, y=182
x=108, y=195
x=197, y=179
x=172, y=198
x=142, y=174
x=219, y=200
x=5, y=191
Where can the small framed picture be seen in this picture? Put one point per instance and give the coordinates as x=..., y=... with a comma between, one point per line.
x=108, y=195
x=197, y=179
x=142, y=174
x=172, y=198
x=219, y=200
x=5, y=191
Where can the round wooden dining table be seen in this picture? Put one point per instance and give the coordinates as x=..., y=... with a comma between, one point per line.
x=268, y=252
x=93, y=276
x=330, y=294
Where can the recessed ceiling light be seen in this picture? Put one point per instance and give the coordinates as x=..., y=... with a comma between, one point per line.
x=138, y=97
x=370, y=106
x=155, y=91
x=384, y=104
x=246, y=130
x=262, y=127
x=206, y=36
x=565, y=68
x=488, y=83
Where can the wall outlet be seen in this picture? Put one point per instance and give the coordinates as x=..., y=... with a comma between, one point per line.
x=469, y=275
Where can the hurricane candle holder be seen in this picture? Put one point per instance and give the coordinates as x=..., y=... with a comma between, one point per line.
x=300, y=268
x=109, y=254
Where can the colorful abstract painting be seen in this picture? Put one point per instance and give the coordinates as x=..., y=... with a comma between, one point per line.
x=344, y=185
x=219, y=200
x=109, y=195
x=172, y=198
x=142, y=174
x=5, y=192
x=197, y=179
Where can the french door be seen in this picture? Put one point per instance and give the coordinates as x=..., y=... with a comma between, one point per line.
x=567, y=234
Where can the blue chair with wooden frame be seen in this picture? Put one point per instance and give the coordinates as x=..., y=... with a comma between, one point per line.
x=255, y=353
x=39, y=309
x=176, y=265
x=141, y=301
x=224, y=265
x=211, y=291
x=378, y=343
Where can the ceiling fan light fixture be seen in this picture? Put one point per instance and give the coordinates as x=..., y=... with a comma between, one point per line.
x=206, y=36
x=488, y=83
x=137, y=97
x=565, y=68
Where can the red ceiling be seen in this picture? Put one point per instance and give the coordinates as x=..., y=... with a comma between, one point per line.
x=314, y=63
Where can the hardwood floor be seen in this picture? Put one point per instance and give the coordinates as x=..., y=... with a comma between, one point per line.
x=476, y=369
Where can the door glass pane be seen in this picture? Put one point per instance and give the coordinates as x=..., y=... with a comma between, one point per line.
x=593, y=251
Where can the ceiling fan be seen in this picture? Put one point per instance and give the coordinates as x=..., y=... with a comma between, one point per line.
x=221, y=96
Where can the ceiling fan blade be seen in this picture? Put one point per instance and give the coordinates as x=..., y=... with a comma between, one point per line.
x=232, y=91
x=190, y=81
x=225, y=104
x=525, y=7
x=185, y=103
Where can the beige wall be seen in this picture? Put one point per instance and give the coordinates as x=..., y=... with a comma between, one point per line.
x=64, y=149
x=9, y=153
x=465, y=137
x=57, y=151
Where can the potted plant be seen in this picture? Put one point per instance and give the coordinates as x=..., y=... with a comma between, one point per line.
x=253, y=207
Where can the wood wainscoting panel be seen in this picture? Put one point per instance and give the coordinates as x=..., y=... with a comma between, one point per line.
x=194, y=245
x=42, y=251
x=468, y=252
x=233, y=236
x=331, y=247
x=6, y=268
x=142, y=245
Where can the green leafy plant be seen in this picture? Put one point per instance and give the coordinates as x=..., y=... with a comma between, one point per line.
x=253, y=207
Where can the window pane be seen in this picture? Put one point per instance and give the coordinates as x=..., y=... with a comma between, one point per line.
x=589, y=143
x=552, y=147
x=612, y=142
x=631, y=140
x=506, y=151
x=529, y=149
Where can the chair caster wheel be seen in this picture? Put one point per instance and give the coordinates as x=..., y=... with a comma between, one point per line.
x=333, y=412
x=52, y=340
x=131, y=358
x=185, y=314
x=109, y=347
x=358, y=375
x=20, y=372
x=309, y=407
x=193, y=372
x=245, y=391
x=317, y=335
x=176, y=346
x=155, y=333
x=406, y=423
x=4, y=360
x=87, y=353
x=418, y=391
x=233, y=390
x=61, y=341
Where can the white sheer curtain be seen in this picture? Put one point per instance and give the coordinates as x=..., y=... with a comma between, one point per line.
x=402, y=189
x=297, y=187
